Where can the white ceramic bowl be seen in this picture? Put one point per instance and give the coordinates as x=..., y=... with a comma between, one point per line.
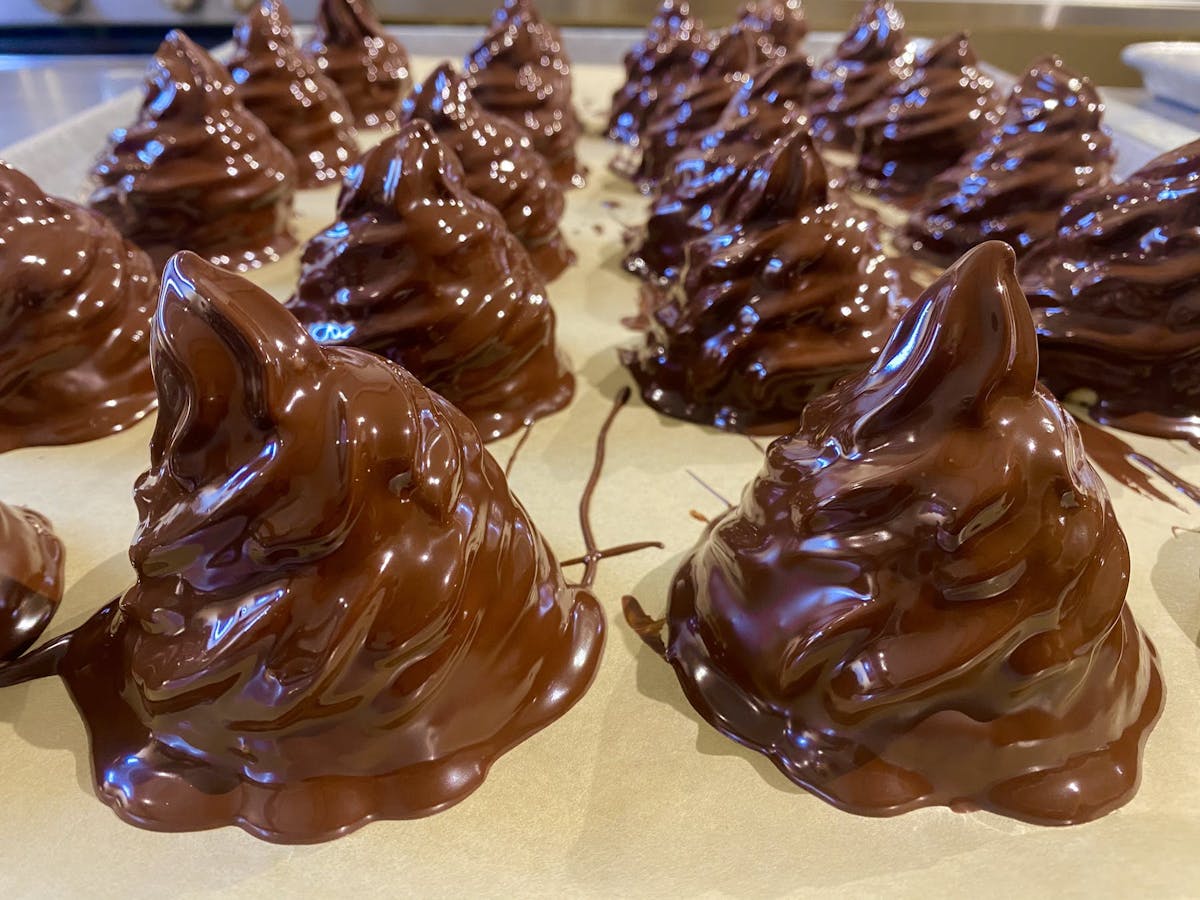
x=1170, y=69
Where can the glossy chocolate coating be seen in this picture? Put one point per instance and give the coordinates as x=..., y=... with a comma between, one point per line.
x=302, y=108
x=867, y=62
x=357, y=53
x=519, y=70
x=780, y=24
x=500, y=163
x=919, y=128
x=197, y=170
x=341, y=612
x=695, y=195
x=920, y=600
x=31, y=578
x=418, y=269
x=75, y=305
x=787, y=295
x=1050, y=145
x=654, y=67
x=1116, y=292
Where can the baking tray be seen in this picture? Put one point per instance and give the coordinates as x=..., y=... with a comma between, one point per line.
x=629, y=793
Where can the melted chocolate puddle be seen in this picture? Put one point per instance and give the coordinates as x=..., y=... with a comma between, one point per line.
x=646, y=628
x=1118, y=459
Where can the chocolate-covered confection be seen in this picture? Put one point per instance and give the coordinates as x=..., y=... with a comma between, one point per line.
x=1049, y=146
x=788, y=294
x=519, y=70
x=31, y=578
x=341, y=612
x=368, y=64
x=654, y=67
x=920, y=600
x=922, y=126
x=75, y=305
x=695, y=195
x=303, y=109
x=420, y=270
x=780, y=24
x=500, y=163
x=1116, y=292
x=197, y=170
x=868, y=61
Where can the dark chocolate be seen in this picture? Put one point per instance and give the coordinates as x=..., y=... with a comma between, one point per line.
x=418, y=269
x=779, y=24
x=920, y=600
x=31, y=578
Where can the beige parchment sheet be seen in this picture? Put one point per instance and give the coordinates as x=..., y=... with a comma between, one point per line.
x=630, y=793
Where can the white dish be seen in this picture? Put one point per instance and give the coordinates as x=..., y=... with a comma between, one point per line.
x=1170, y=69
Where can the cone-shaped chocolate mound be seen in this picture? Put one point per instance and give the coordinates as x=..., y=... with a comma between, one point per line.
x=921, y=599
x=771, y=308
x=519, y=70
x=304, y=109
x=866, y=63
x=780, y=24
x=197, y=170
x=75, y=305
x=356, y=52
x=1116, y=292
x=654, y=67
x=922, y=126
x=31, y=578
x=1049, y=146
x=420, y=270
x=341, y=612
x=695, y=195
x=500, y=163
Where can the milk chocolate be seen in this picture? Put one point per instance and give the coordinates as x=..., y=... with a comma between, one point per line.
x=1050, y=144
x=31, y=578
x=869, y=60
x=785, y=296
x=418, y=269
x=1116, y=292
x=197, y=170
x=920, y=600
x=779, y=24
x=368, y=64
x=501, y=165
x=302, y=108
x=519, y=70
x=75, y=305
x=920, y=127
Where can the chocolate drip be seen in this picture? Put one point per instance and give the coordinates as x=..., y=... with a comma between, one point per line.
x=1050, y=145
x=869, y=61
x=1132, y=469
x=920, y=127
x=519, y=70
x=779, y=24
x=1116, y=292
x=787, y=295
x=500, y=163
x=921, y=599
x=75, y=304
x=418, y=269
x=356, y=52
x=197, y=170
x=341, y=612
x=31, y=578
x=283, y=87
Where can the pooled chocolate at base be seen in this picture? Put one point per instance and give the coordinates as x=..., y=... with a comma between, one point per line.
x=31, y=578
x=921, y=598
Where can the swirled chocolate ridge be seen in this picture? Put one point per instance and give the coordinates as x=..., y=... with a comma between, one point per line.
x=519, y=70
x=775, y=304
x=1050, y=145
x=369, y=66
x=341, y=611
x=285, y=89
x=654, y=67
x=919, y=128
x=500, y=163
x=695, y=194
x=75, y=305
x=418, y=269
x=1116, y=292
x=31, y=578
x=920, y=600
x=868, y=61
x=197, y=170
x=779, y=24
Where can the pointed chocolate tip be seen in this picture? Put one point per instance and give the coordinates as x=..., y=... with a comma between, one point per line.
x=411, y=166
x=952, y=52
x=782, y=181
x=267, y=22
x=17, y=188
x=443, y=95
